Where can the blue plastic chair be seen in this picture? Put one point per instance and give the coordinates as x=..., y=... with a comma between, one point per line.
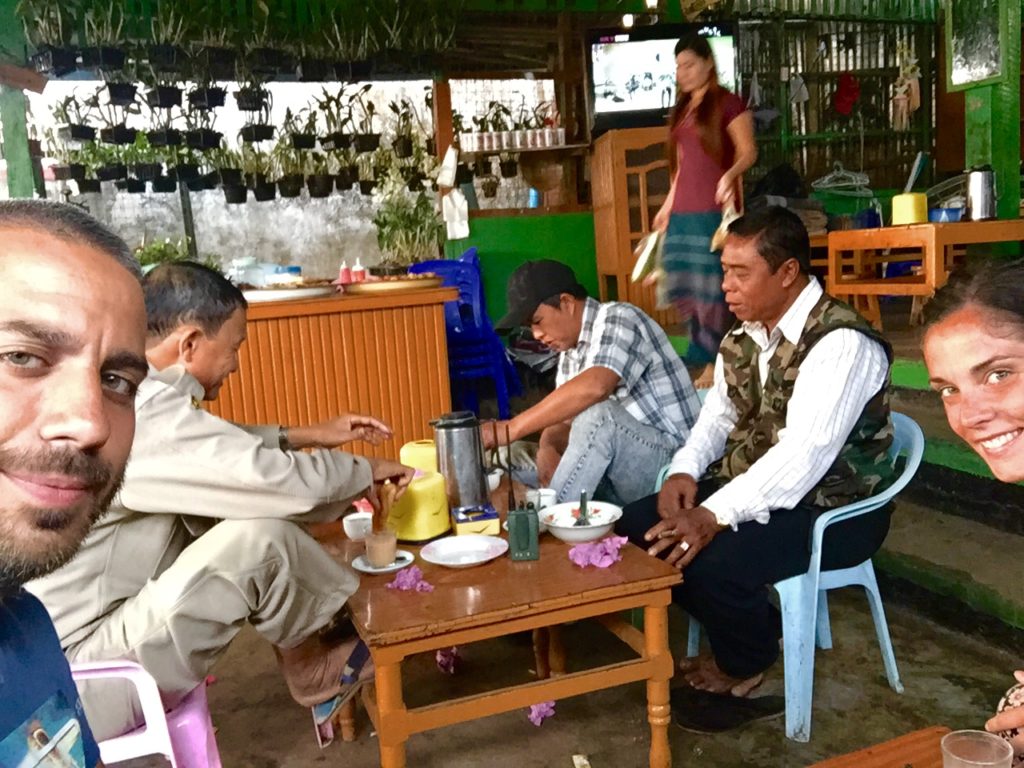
x=803, y=598
x=474, y=349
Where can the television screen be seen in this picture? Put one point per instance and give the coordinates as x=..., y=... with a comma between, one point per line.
x=632, y=72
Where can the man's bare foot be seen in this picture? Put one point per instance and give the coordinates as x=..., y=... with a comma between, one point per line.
x=708, y=677
x=706, y=379
x=693, y=663
x=313, y=669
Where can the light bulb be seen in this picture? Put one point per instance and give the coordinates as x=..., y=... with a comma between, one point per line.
x=651, y=4
x=627, y=20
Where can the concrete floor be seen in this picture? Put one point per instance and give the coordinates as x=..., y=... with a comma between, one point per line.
x=950, y=679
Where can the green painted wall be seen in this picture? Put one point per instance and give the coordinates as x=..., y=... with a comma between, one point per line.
x=12, y=110
x=503, y=243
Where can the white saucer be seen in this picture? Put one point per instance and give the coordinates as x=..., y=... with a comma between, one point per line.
x=402, y=559
x=464, y=551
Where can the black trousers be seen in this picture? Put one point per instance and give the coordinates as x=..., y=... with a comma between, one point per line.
x=726, y=586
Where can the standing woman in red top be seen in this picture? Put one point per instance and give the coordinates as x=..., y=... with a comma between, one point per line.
x=711, y=144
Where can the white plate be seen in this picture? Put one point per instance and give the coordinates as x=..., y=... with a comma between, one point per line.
x=287, y=294
x=402, y=559
x=464, y=551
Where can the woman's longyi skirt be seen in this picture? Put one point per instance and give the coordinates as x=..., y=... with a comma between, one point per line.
x=693, y=282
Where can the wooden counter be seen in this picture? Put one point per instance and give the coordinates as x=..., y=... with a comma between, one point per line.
x=305, y=361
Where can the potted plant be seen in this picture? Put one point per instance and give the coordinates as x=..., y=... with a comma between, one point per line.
x=320, y=181
x=165, y=251
x=107, y=162
x=336, y=115
x=363, y=113
x=67, y=166
x=168, y=29
x=257, y=168
x=301, y=128
x=141, y=159
x=104, y=24
x=49, y=25
x=500, y=119
x=182, y=163
x=113, y=119
x=227, y=167
x=199, y=132
x=257, y=127
x=405, y=114
x=291, y=165
x=346, y=171
x=351, y=33
x=161, y=132
x=72, y=121
x=508, y=165
x=489, y=185
x=409, y=228
x=213, y=55
x=261, y=55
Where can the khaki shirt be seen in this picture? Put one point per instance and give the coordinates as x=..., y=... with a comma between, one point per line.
x=188, y=469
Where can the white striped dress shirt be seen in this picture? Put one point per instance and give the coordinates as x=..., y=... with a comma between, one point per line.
x=840, y=374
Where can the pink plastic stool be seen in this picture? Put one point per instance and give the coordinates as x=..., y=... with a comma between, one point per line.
x=184, y=735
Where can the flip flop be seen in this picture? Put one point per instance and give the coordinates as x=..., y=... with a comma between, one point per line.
x=355, y=675
x=704, y=712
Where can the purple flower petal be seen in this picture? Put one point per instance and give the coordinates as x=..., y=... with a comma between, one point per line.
x=409, y=580
x=540, y=712
x=600, y=554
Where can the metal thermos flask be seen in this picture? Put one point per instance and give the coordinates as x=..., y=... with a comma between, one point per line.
x=460, y=459
x=981, y=193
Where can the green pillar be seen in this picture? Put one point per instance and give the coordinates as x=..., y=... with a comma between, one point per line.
x=20, y=181
x=992, y=121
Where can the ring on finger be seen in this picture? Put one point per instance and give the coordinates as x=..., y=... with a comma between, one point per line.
x=684, y=545
x=667, y=535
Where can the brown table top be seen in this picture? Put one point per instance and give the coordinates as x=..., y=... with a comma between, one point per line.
x=919, y=749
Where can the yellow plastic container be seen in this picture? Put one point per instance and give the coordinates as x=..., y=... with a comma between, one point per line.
x=910, y=208
x=422, y=512
x=419, y=454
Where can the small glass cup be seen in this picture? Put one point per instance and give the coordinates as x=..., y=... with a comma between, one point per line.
x=975, y=749
x=542, y=498
x=381, y=548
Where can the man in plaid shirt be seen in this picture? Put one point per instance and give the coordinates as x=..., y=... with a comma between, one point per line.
x=623, y=401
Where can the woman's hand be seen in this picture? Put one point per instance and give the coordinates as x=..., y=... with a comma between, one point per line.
x=660, y=223
x=1009, y=719
x=725, y=192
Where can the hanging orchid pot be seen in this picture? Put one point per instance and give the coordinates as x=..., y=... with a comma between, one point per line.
x=203, y=138
x=201, y=183
x=320, y=184
x=256, y=132
x=76, y=132
x=336, y=140
x=229, y=177
x=119, y=134
x=482, y=168
x=104, y=57
x=490, y=186
x=86, y=186
x=303, y=140
x=345, y=178
x=167, y=137
x=164, y=97
x=218, y=63
x=266, y=61
x=366, y=186
x=146, y=171
x=251, y=99
x=167, y=58
x=132, y=186
x=253, y=180
x=121, y=94
x=235, y=195
x=184, y=171
x=265, y=192
x=509, y=168
x=358, y=70
x=366, y=142
x=206, y=98
x=402, y=147
x=53, y=61
x=415, y=183
x=164, y=184
x=74, y=171
x=111, y=172
x=290, y=185
x=314, y=70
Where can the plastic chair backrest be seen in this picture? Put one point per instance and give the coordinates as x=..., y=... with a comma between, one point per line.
x=472, y=317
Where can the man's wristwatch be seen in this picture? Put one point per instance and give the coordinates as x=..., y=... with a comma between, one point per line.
x=282, y=438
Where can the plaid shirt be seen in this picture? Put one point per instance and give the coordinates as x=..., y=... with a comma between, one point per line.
x=654, y=386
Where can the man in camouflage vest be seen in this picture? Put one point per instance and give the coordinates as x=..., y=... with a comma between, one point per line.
x=797, y=422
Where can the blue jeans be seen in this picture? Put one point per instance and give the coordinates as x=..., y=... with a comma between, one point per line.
x=611, y=456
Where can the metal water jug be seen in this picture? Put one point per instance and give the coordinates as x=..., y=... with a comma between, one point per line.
x=981, y=193
x=460, y=459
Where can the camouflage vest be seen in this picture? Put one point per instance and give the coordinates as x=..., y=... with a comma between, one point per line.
x=862, y=467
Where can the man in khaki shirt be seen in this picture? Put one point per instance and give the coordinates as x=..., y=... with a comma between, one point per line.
x=205, y=533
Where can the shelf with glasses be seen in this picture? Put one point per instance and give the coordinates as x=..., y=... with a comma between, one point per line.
x=561, y=149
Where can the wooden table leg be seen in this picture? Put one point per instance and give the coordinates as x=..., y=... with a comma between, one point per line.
x=541, y=643
x=556, y=651
x=390, y=714
x=659, y=712
x=347, y=720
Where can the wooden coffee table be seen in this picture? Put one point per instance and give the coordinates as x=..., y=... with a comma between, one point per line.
x=503, y=597
x=919, y=749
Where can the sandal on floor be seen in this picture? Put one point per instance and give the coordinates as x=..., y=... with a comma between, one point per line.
x=705, y=712
x=357, y=673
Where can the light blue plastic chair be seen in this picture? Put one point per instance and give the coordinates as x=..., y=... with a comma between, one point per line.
x=803, y=598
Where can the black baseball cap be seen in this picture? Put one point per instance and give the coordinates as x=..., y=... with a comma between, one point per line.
x=531, y=284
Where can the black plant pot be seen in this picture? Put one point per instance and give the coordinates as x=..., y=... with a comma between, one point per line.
x=218, y=63
x=344, y=179
x=290, y=185
x=304, y=140
x=490, y=187
x=53, y=61
x=88, y=185
x=184, y=171
x=122, y=94
x=64, y=172
x=201, y=183
x=336, y=140
x=111, y=172
x=463, y=175
x=253, y=180
x=320, y=184
x=265, y=61
x=251, y=99
x=431, y=147
x=104, y=57
x=359, y=70
x=119, y=134
x=314, y=70
x=229, y=177
x=402, y=147
x=76, y=132
x=206, y=98
x=167, y=58
x=132, y=186
x=482, y=168
x=164, y=184
x=264, y=192
x=509, y=168
x=164, y=97
x=235, y=195
x=415, y=183
x=169, y=137
x=203, y=138
x=147, y=171
x=258, y=132
x=366, y=186
x=366, y=142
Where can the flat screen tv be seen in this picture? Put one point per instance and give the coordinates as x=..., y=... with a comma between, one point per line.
x=632, y=71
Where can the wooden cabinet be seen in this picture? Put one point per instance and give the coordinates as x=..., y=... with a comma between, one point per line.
x=629, y=182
